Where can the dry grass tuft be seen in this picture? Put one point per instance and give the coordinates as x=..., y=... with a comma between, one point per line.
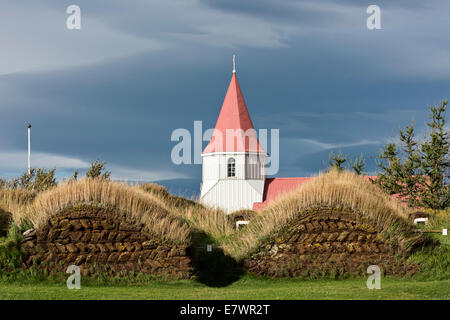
x=140, y=206
x=211, y=221
x=17, y=202
x=244, y=214
x=331, y=190
x=154, y=188
x=171, y=201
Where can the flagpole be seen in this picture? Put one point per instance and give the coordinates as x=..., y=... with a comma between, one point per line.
x=29, y=148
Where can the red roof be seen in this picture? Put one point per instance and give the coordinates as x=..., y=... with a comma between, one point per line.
x=233, y=123
x=275, y=187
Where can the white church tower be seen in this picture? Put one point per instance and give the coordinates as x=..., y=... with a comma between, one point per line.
x=234, y=163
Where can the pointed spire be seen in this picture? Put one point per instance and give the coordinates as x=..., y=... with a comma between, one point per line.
x=234, y=116
x=234, y=63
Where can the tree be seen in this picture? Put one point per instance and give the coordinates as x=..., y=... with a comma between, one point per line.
x=400, y=168
x=26, y=180
x=389, y=163
x=74, y=177
x=98, y=170
x=419, y=172
x=44, y=179
x=13, y=183
x=410, y=177
x=358, y=165
x=337, y=161
x=39, y=180
x=435, y=160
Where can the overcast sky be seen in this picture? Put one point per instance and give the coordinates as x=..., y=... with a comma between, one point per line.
x=139, y=69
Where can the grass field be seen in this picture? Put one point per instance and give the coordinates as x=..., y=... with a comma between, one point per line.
x=217, y=276
x=246, y=288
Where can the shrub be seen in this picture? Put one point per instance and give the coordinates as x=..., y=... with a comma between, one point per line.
x=97, y=170
x=11, y=254
x=36, y=179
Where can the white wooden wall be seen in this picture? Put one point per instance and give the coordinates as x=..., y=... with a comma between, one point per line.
x=233, y=193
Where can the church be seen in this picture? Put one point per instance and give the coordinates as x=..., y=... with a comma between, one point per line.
x=234, y=163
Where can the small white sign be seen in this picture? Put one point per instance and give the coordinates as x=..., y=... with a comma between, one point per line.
x=421, y=220
x=240, y=224
x=209, y=247
x=444, y=232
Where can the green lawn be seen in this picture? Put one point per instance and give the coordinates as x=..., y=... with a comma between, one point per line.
x=246, y=288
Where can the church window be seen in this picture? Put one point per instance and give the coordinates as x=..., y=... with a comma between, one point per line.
x=231, y=168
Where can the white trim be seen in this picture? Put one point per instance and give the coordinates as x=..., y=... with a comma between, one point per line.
x=241, y=222
x=417, y=220
x=231, y=152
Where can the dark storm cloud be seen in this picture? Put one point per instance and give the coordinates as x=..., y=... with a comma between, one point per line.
x=129, y=116
x=140, y=69
x=292, y=8
x=310, y=164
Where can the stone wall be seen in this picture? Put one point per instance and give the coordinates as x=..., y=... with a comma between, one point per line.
x=324, y=241
x=87, y=235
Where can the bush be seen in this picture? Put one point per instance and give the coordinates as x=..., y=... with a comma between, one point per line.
x=97, y=171
x=11, y=254
x=36, y=179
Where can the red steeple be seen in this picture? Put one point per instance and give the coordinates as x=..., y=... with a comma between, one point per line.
x=234, y=130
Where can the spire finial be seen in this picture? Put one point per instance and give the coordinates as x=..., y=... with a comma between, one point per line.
x=234, y=63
